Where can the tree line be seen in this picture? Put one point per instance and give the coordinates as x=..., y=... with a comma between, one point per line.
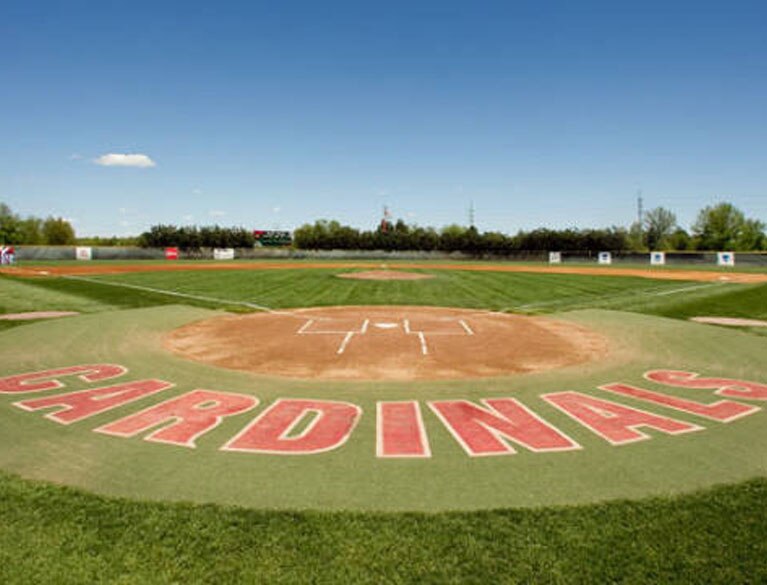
x=194, y=238
x=718, y=227
x=35, y=231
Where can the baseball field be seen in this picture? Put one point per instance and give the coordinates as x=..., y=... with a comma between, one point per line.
x=364, y=422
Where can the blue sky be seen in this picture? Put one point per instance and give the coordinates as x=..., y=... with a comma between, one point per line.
x=275, y=114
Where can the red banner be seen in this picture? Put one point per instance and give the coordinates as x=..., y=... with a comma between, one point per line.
x=171, y=253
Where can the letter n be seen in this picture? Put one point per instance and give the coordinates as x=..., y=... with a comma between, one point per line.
x=486, y=431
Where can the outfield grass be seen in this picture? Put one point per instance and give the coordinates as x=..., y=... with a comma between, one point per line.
x=523, y=292
x=515, y=292
x=56, y=534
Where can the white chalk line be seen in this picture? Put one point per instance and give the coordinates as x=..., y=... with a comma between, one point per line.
x=306, y=326
x=688, y=288
x=654, y=292
x=182, y=295
x=424, y=347
x=345, y=342
x=349, y=334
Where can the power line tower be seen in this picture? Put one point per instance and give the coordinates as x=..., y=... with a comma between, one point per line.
x=386, y=219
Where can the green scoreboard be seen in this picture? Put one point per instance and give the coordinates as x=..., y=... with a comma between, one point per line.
x=272, y=238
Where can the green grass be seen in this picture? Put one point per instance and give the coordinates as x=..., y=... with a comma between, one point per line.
x=321, y=287
x=62, y=535
x=517, y=292
x=52, y=534
x=352, y=478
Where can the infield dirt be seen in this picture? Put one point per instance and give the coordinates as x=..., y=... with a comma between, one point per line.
x=386, y=343
x=661, y=274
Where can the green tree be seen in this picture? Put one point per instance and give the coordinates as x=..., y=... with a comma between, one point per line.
x=10, y=228
x=635, y=240
x=58, y=232
x=31, y=230
x=725, y=227
x=659, y=224
x=679, y=240
x=751, y=236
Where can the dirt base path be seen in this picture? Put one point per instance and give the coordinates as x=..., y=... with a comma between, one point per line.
x=649, y=272
x=386, y=343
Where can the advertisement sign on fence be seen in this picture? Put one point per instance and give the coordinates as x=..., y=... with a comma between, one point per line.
x=725, y=258
x=657, y=258
x=555, y=257
x=171, y=253
x=223, y=253
x=605, y=258
x=83, y=253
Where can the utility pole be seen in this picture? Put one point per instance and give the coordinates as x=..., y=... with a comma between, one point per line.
x=471, y=214
x=640, y=209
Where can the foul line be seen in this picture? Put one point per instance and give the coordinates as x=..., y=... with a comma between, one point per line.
x=678, y=290
x=181, y=295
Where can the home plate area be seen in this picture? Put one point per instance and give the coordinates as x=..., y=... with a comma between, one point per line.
x=374, y=329
x=385, y=343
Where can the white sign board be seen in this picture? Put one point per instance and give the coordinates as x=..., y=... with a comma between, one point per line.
x=657, y=258
x=725, y=258
x=223, y=253
x=555, y=257
x=83, y=253
x=605, y=258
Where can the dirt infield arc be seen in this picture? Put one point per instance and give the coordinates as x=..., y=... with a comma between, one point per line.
x=661, y=274
x=386, y=343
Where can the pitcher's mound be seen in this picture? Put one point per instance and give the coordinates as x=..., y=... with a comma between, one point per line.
x=385, y=275
x=386, y=343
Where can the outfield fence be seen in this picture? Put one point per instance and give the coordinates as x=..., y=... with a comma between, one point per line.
x=53, y=253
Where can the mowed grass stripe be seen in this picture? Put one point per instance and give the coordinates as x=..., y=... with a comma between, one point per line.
x=493, y=291
x=517, y=292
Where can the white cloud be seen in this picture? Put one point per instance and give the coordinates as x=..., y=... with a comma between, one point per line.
x=196, y=191
x=125, y=160
x=188, y=217
x=217, y=213
x=276, y=209
x=75, y=156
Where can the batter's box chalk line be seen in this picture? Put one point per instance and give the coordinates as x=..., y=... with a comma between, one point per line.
x=309, y=328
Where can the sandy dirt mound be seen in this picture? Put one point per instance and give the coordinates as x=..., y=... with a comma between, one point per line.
x=36, y=315
x=730, y=321
x=386, y=343
x=384, y=275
